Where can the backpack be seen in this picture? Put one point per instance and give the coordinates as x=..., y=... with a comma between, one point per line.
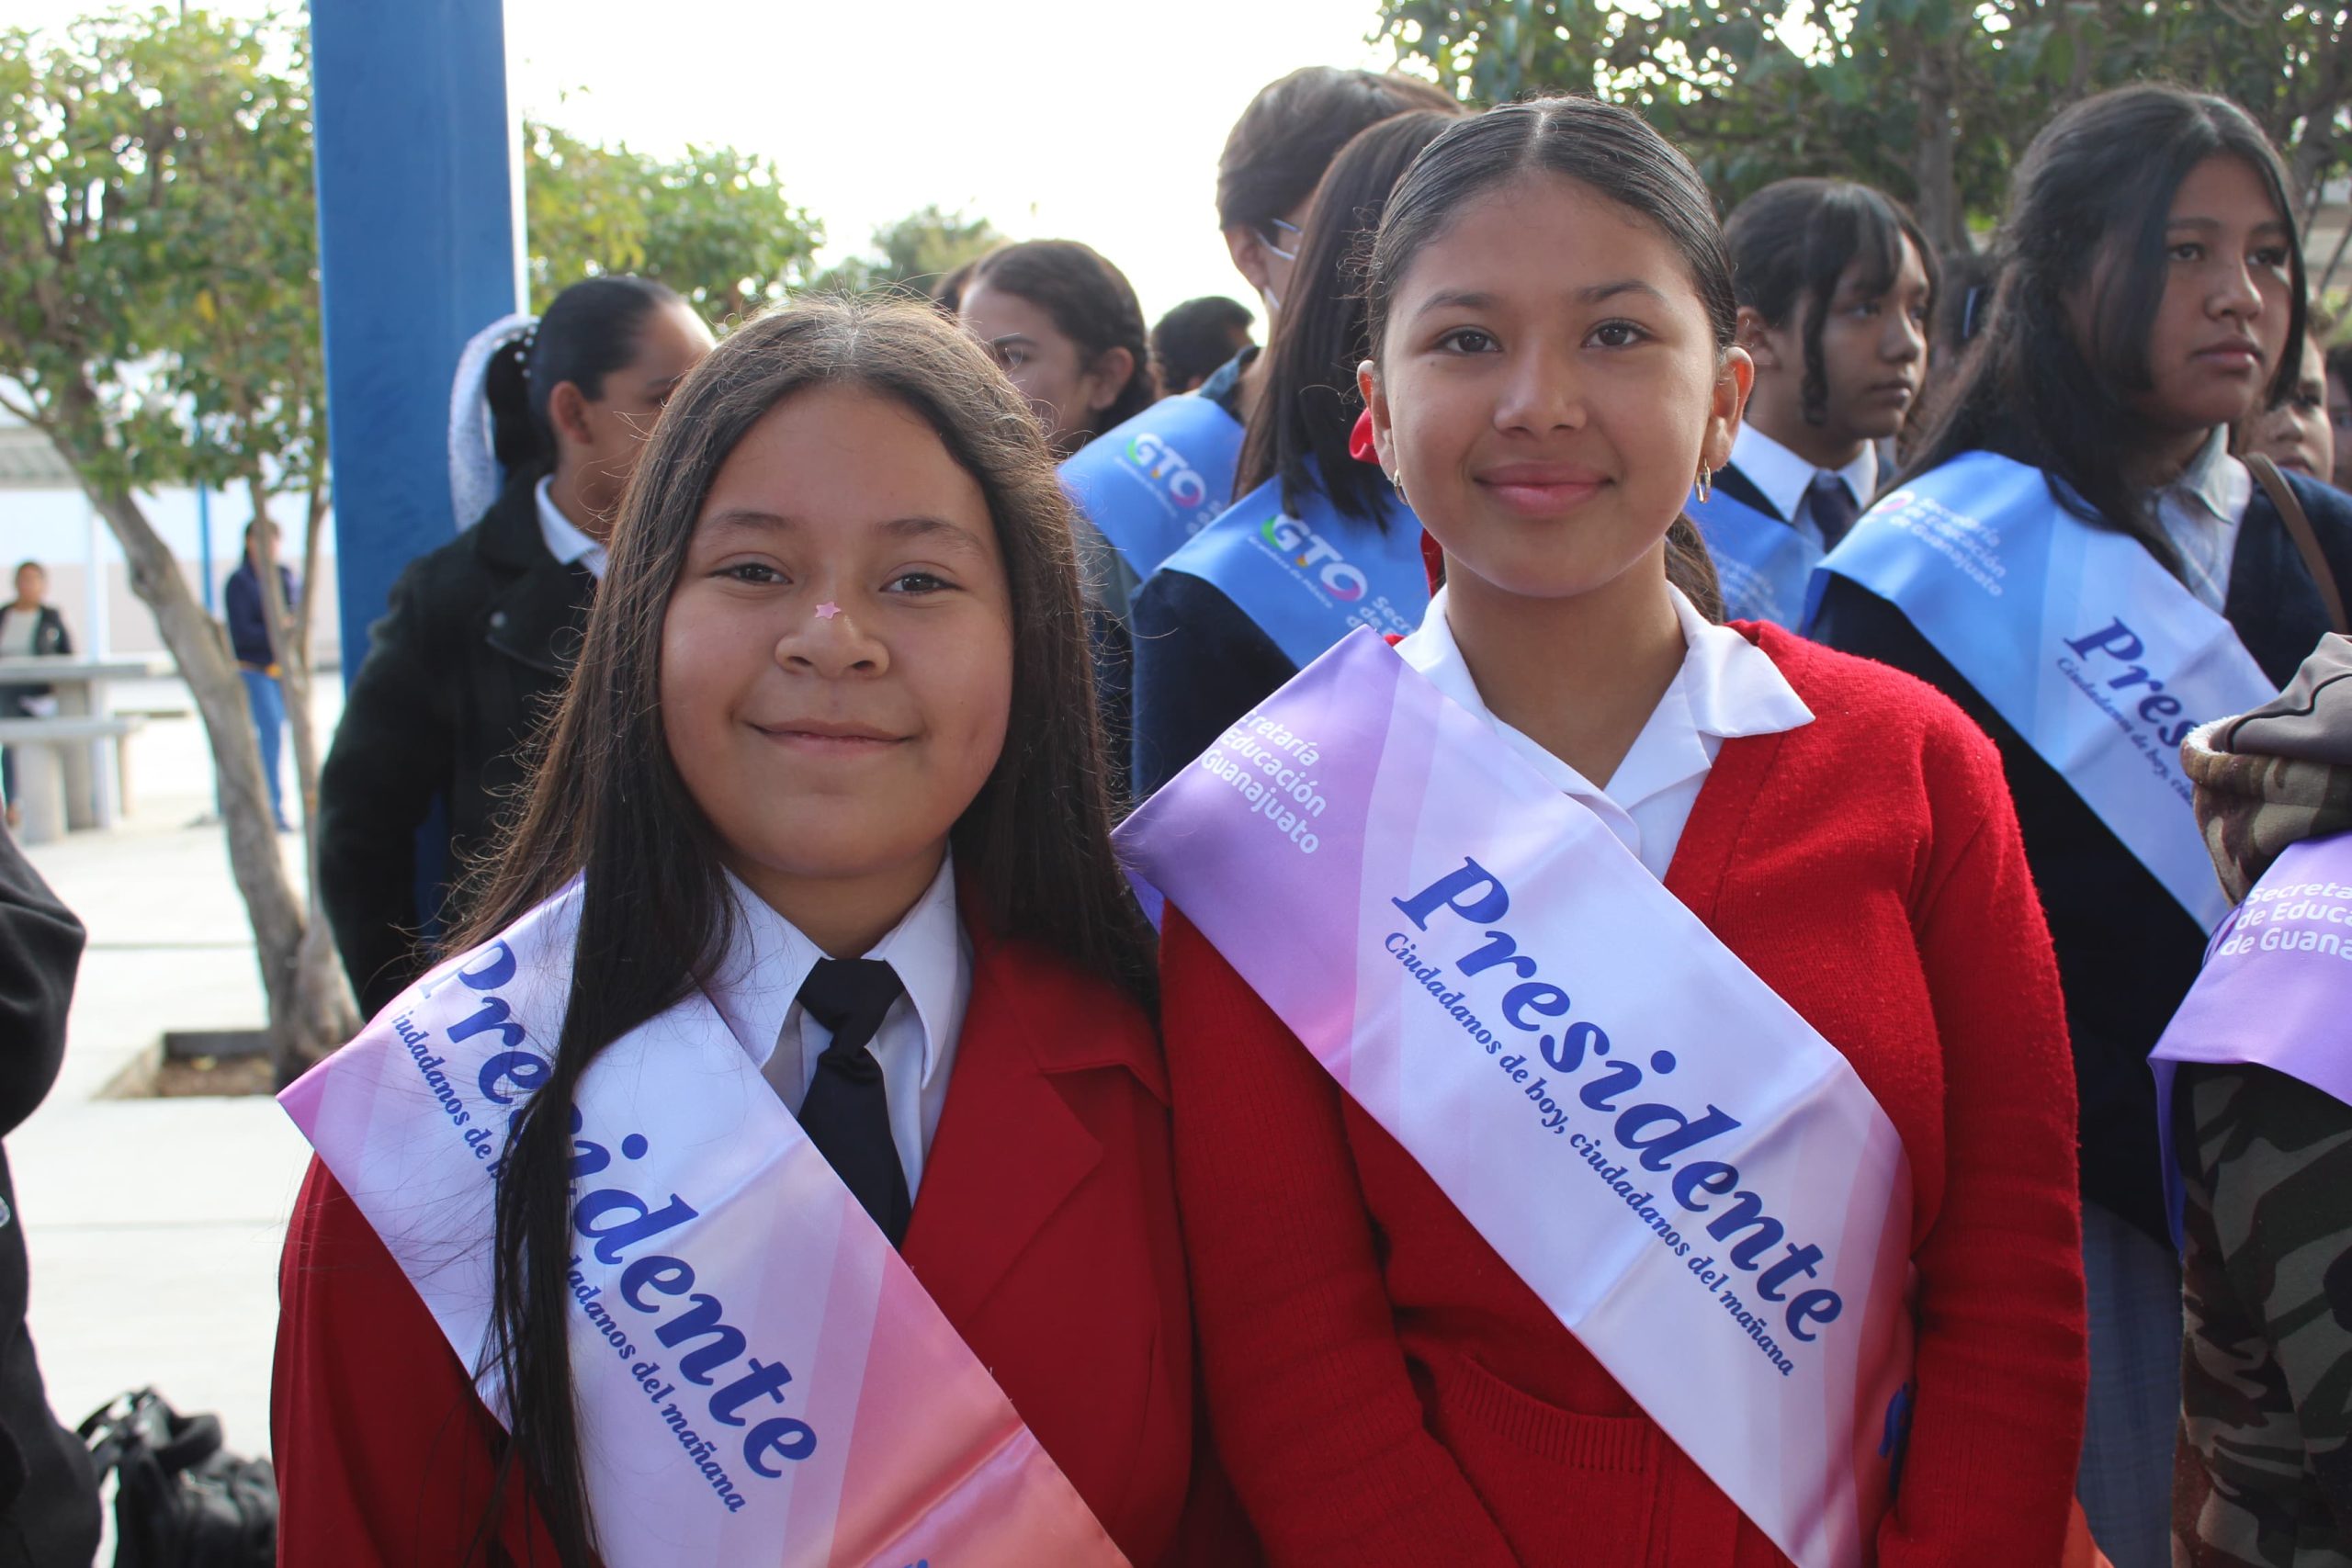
x=180, y=1500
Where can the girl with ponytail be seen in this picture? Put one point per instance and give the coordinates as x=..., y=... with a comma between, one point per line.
x=1477, y=1282
x=548, y=420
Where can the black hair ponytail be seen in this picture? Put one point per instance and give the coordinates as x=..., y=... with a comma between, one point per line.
x=590, y=331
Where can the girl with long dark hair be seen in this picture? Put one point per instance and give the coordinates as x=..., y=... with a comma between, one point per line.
x=821, y=821
x=1209, y=639
x=1622, y=1107
x=1836, y=285
x=479, y=633
x=2076, y=559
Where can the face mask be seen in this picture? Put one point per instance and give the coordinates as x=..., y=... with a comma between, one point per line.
x=1274, y=301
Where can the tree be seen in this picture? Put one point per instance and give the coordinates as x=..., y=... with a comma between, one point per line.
x=159, y=323
x=714, y=224
x=914, y=252
x=1932, y=99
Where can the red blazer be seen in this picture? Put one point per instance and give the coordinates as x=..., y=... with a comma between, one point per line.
x=1044, y=1228
x=1384, y=1390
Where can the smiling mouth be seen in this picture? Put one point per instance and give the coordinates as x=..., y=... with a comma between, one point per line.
x=831, y=740
x=1541, y=494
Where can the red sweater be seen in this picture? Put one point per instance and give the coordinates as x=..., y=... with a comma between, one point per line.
x=1384, y=1390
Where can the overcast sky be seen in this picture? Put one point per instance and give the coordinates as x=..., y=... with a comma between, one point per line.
x=1055, y=118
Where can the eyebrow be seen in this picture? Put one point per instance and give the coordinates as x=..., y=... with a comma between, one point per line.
x=1593, y=294
x=920, y=525
x=2214, y=225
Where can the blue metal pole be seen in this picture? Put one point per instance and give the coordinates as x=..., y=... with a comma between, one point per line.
x=420, y=232
x=204, y=544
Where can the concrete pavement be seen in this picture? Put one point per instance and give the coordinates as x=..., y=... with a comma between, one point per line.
x=154, y=1225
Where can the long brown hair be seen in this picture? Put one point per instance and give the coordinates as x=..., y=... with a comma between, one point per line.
x=606, y=802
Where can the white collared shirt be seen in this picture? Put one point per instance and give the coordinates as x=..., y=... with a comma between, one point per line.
x=1786, y=480
x=564, y=539
x=1727, y=687
x=2200, y=512
x=757, y=991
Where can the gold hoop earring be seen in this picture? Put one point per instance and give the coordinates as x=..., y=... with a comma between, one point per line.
x=1396, y=483
x=1705, y=474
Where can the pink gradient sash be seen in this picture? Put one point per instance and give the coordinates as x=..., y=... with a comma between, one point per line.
x=762, y=1380
x=1694, y=1182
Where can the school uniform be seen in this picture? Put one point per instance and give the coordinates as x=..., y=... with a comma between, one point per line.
x=1767, y=476
x=1385, y=1389
x=2127, y=949
x=470, y=656
x=1028, y=1102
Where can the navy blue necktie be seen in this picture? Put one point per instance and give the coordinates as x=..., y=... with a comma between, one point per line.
x=846, y=1112
x=1834, y=506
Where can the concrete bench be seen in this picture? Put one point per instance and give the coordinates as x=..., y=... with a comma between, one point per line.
x=39, y=747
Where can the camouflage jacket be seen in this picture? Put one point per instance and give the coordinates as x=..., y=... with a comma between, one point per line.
x=2263, y=1478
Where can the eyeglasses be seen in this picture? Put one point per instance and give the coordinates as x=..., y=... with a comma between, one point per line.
x=1293, y=229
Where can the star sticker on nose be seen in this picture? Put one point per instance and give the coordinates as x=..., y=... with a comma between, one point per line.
x=828, y=610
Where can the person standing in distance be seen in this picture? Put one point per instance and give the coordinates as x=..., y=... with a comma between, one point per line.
x=28, y=626
x=481, y=633
x=250, y=638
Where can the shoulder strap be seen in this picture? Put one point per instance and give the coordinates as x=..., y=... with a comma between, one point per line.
x=2299, y=526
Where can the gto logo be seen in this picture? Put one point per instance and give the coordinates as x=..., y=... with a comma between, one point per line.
x=1308, y=550
x=1163, y=464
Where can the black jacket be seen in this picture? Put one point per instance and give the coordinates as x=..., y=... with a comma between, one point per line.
x=477, y=641
x=48, y=637
x=2127, y=952
x=49, y=1498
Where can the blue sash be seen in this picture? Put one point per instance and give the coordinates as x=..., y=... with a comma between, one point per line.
x=1158, y=480
x=1309, y=579
x=2077, y=636
x=1763, y=562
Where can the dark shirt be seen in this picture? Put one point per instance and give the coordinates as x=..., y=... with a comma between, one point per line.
x=248, y=617
x=2127, y=951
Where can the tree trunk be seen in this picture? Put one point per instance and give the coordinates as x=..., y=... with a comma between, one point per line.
x=1934, y=164
x=310, y=1007
x=321, y=995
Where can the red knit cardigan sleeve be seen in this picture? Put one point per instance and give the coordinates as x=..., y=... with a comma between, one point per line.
x=2001, y=1327
x=1316, y=1414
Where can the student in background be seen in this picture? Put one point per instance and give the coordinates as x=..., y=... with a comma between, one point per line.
x=1148, y=486
x=1274, y=158
x=1064, y=324
x=2294, y=430
x=1837, y=285
x=255, y=647
x=1553, y=361
x=1192, y=341
x=481, y=633
x=825, y=801
x=1224, y=621
x=2151, y=293
x=29, y=626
